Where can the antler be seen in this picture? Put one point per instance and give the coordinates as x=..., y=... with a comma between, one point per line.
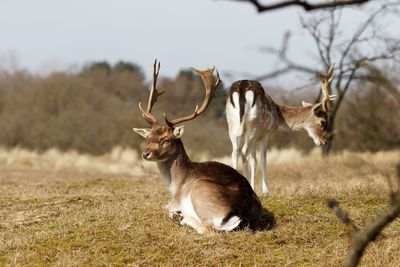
x=207, y=76
x=325, y=81
x=154, y=93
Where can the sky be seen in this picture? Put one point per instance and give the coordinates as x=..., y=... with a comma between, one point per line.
x=48, y=35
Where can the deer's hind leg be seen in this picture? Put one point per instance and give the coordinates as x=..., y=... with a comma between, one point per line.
x=236, y=147
x=199, y=227
x=263, y=154
x=251, y=124
x=235, y=128
x=249, y=155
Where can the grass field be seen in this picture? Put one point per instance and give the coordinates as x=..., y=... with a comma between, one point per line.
x=78, y=210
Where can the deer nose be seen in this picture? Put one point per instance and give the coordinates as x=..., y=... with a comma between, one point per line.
x=146, y=155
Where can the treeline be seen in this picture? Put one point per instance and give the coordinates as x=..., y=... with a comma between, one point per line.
x=95, y=110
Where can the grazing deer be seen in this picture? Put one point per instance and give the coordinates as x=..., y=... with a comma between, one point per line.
x=207, y=195
x=253, y=116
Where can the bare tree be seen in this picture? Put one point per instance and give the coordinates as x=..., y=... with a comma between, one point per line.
x=377, y=75
x=306, y=5
x=350, y=54
x=361, y=238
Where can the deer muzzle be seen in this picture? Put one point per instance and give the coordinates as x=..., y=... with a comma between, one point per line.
x=146, y=155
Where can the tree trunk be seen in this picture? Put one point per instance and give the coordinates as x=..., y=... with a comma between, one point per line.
x=326, y=149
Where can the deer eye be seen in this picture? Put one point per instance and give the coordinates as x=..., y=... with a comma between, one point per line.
x=323, y=124
x=165, y=143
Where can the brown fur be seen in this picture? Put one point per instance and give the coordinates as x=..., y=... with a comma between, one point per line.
x=207, y=195
x=294, y=118
x=253, y=116
x=216, y=190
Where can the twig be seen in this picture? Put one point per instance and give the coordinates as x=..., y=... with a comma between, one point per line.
x=343, y=216
x=361, y=239
x=304, y=4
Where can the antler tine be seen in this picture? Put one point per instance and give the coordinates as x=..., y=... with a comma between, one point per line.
x=330, y=73
x=325, y=81
x=154, y=94
x=330, y=69
x=218, y=81
x=207, y=77
x=186, y=118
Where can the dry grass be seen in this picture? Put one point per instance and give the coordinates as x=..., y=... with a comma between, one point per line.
x=75, y=210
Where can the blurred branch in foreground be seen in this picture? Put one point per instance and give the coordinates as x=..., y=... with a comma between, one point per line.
x=361, y=239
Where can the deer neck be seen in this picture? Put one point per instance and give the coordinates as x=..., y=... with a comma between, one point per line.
x=294, y=118
x=174, y=170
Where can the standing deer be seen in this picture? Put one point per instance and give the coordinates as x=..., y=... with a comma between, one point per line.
x=207, y=195
x=253, y=116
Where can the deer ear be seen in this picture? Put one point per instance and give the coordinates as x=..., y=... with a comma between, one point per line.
x=306, y=104
x=317, y=109
x=144, y=132
x=178, y=131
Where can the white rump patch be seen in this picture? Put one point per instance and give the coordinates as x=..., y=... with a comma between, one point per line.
x=249, y=97
x=233, y=116
x=250, y=111
x=235, y=99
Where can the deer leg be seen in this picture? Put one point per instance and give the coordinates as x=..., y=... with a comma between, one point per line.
x=235, y=151
x=250, y=153
x=253, y=166
x=173, y=209
x=245, y=165
x=264, y=167
x=200, y=228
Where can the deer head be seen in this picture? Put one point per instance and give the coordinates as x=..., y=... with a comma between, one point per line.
x=317, y=121
x=162, y=139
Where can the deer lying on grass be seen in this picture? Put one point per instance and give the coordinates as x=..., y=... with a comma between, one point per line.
x=207, y=195
x=253, y=116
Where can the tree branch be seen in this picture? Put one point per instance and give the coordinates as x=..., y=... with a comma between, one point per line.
x=343, y=216
x=346, y=87
x=353, y=41
x=380, y=77
x=304, y=4
x=313, y=30
x=361, y=239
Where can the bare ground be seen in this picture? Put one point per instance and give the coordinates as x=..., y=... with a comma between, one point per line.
x=63, y=214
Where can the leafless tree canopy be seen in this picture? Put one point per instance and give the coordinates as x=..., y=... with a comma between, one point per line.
x=352, y=61
x=306, y=5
